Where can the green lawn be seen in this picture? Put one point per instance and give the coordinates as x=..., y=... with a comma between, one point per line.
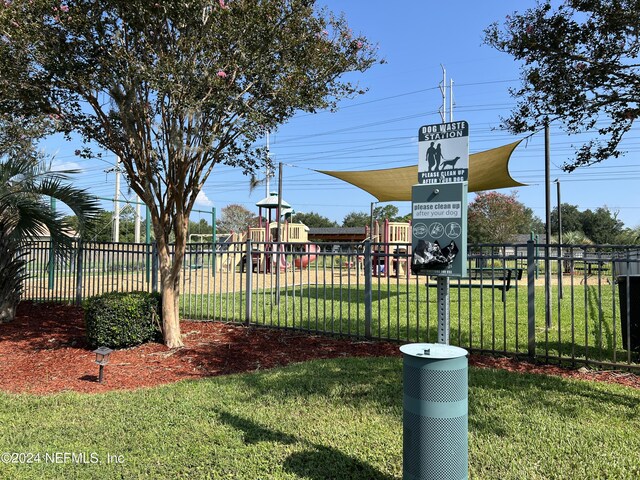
x=583, y=322
x=337, y=419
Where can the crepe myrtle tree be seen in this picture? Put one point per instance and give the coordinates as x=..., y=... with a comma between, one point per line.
x=579, y=67
x=235, y=218
x=494, y=217
x=174, y=88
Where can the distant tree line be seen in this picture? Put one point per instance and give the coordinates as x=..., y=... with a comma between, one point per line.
x=492, y=218
x=599, y=226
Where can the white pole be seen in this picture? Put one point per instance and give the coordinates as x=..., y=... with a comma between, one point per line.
x=137, y=224
x=268, y=169
x=443, y=89
x=116, y=204
x=451, y=100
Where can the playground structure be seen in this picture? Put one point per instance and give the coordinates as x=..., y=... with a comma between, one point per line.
x=303, y=261
x=391, y=249
x=231, y=249
x=273, y=242
x=269, y=245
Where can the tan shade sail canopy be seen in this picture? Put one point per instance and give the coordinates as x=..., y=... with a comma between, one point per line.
x=488, y=170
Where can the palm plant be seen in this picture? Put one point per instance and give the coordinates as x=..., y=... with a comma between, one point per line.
x=25, y=215
x=574, y=238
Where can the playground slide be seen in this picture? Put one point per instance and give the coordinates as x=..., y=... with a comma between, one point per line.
x=303, y=260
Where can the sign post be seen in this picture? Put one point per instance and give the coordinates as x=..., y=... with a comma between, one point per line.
x=439, y=210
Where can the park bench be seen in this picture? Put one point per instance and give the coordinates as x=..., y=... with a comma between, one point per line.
x=498, y=278
x=593, y=265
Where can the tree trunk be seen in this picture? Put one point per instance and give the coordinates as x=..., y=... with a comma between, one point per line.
x=170, y=316
x=170, y=290
x=12, y=274
x=7, y=311
x=170, y=272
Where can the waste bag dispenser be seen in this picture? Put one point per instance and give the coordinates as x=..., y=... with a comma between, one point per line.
x=435, y=416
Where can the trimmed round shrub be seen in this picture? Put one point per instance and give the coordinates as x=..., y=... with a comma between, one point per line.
x=123, y=319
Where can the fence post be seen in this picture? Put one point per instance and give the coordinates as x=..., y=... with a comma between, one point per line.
x=154, y=267
x=148, y=256
x=368, y=289
x=249, y=269
x=52, y=253
x=79, y=255
x=531, y=299
x=213, y=240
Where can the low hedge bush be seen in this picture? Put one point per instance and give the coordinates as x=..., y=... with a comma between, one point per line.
x=123, y=319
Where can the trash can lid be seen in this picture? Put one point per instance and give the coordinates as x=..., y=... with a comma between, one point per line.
x=433, y=350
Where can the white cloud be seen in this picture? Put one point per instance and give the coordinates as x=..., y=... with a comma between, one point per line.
x=58, y=166
x=203, y=200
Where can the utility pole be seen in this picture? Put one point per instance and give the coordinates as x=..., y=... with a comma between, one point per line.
x=116, y=204
x=268, y=169
x=266, y=175
x=451, y=102
x=443, y=90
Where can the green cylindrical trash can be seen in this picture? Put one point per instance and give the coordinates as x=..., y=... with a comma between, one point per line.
x=435, y=417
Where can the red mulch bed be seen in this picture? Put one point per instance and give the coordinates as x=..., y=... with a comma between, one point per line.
x=44, y=351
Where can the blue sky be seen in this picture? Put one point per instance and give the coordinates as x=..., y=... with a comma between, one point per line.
x=379, y=129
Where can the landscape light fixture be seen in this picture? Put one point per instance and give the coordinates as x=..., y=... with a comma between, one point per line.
x=102, y=359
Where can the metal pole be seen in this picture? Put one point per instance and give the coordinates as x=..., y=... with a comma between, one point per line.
x=213, y=239
x=116, y=205
x=443, y=310
x=278, y=239
x=268, y=169
x=537, y=240
x=52, y=263
x=136, y=233
x=249, y=286
x=560, y=269
x=147, y=224
x=368, y=289
x=451, y=100
x=371, y=233
x=154, y=267
x=79, y=285
x=547, y=191
x=531, y=299
x=443, y=89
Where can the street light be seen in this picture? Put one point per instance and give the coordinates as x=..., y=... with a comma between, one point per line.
x=102, y=359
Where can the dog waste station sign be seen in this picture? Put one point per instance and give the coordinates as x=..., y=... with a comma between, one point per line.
x=439, y=229
x=439, y=201
x=443, y=153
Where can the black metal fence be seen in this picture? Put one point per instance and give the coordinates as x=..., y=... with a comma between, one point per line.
x=560, y=303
